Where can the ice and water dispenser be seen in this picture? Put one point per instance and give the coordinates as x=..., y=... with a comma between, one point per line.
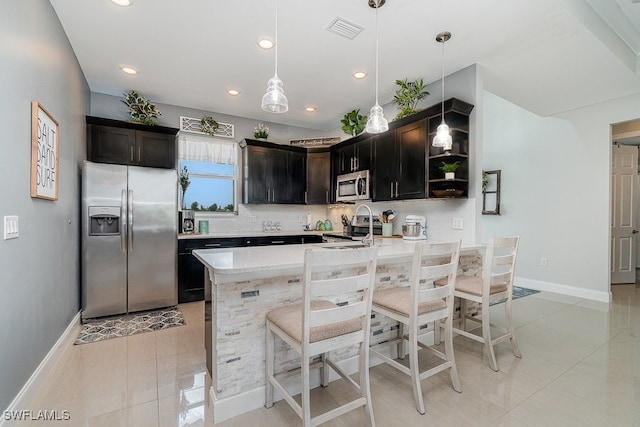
x=104, y=220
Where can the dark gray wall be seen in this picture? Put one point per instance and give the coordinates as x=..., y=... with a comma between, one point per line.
x=39, y=281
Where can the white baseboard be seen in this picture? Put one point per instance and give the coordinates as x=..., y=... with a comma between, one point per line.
x=28, y=391
x=229, y=407
x=602, y=296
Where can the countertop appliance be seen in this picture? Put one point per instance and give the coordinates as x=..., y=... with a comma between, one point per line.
x=129, y=244
x=354, y=186
x=415, y=228
x=186, y=221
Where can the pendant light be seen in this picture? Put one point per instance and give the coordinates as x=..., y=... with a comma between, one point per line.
x=443, y=136
x=274, y=100
x=376, y=123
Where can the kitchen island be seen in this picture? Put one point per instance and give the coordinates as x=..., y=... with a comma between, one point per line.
x=243, y=284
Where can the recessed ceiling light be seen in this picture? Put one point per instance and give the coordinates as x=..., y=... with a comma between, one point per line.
x=265, y=43
x=122, y=2
x=129, y=70
x=233, y=92
x=359, y=75
x=310, y=108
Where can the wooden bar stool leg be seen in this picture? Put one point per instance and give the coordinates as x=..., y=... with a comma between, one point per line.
x=306, y=395
x=510, y=330
x=448, y=346
x=437, y=332
x=365, y=389
x=486, y=333
x=325, y=370
x=269, y=364
x=415, y=368
x=402, y=349
x=463, y=314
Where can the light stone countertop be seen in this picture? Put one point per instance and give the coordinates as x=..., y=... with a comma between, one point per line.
x=231, y=234
x=259, y=262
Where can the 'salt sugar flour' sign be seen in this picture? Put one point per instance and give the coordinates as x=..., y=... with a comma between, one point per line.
x=44, y=153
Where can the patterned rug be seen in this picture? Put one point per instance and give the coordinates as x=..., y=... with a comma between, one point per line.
x=129, y=324
x=518, y=293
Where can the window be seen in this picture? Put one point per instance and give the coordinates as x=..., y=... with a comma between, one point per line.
x=212, y=168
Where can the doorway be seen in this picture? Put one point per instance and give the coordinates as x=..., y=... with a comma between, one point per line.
x=625, y=256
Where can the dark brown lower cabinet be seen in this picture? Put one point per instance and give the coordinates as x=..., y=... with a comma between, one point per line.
x=191, y=270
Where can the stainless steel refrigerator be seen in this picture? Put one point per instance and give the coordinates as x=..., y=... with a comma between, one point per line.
x=129, y=239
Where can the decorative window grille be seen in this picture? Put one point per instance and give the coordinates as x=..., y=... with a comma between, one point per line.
x=190, y=124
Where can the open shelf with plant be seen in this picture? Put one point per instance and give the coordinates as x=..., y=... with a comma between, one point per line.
x=456, y=115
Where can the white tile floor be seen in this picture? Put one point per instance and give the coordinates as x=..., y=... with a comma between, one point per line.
x=580, y=367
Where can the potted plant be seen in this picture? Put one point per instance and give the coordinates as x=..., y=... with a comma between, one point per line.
x=183, y=180
x=141, y=110
x=353, y=123
x=407, y=97
x=261, y=132
x=449, y=170
x=208, y=125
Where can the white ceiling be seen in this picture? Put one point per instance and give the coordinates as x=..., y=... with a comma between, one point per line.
x=548, y=56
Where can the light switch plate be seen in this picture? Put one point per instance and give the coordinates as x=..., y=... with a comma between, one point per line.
x=11, y=229
x=457, y=224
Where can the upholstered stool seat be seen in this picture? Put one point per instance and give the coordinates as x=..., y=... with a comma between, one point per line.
x=289, y=319
x=399, y=300
x=472, y=285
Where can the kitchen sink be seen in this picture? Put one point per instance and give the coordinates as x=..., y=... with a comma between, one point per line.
x=346, y=246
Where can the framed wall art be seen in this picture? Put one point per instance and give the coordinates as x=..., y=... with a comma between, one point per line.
x=45, y=137
x=491, y=192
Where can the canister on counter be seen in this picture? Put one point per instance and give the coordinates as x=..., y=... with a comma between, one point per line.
x=203, y=227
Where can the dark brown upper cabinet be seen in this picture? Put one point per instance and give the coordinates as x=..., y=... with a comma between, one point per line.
x=125, y=143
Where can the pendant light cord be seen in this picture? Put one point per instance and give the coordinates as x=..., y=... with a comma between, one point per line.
x=377, y=6
x=276, y=73
x=442, y=82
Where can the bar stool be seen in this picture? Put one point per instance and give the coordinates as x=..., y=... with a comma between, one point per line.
x=317, y=326
x=421, y=303
x=495, y=284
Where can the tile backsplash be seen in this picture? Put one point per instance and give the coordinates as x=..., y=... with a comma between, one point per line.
x=439, y=215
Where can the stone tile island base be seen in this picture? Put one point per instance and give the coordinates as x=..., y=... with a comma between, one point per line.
x=238, y=310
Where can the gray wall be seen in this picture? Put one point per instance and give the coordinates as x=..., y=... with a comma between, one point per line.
x=112, y=107
x=39, y=285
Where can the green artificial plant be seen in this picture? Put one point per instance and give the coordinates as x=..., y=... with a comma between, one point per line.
x=408, y=95
x=449, y=167
x=209, y=125
x=140, y=109
x=353, y=123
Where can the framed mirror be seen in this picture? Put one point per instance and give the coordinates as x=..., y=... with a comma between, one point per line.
x=491, y=192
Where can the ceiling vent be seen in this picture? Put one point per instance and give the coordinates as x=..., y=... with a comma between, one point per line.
x=344, y=28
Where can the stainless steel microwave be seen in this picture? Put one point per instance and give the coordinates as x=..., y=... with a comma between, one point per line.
x=353, y=186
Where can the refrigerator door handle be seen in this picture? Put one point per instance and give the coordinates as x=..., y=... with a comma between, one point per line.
x=123, y=223
x=130, y=220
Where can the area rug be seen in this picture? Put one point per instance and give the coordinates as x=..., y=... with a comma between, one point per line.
x=129, y=324
x=518, y=293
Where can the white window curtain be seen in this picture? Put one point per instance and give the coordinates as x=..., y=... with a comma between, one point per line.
x=207, y=149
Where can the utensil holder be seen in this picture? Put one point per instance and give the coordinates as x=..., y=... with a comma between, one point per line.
x=387, y=229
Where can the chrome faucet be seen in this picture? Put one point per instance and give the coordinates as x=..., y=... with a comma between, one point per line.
x=368, y=239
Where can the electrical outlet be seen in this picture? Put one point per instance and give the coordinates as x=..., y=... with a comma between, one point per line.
x=300, y=219
x=253, y=218
x=457, y=223
x=11, y=227
x=544, y=262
